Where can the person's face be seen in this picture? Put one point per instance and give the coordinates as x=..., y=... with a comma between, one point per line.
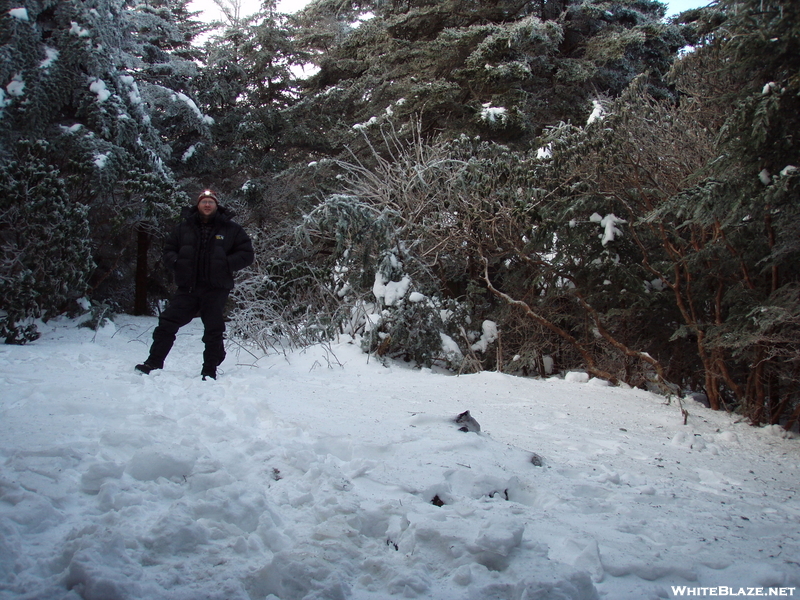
x=207, y=207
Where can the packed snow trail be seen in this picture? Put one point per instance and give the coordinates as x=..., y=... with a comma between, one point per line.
x=323, y=474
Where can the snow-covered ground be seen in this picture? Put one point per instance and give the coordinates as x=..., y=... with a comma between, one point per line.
x=325, y=475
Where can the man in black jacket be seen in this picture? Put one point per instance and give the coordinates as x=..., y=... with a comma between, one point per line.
x=204, y=250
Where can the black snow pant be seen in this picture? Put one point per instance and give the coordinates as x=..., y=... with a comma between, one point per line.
x=185, y=305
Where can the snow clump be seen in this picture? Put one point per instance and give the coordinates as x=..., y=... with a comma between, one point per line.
x=577, y=377
x=493, y=114
x=51, y=54
x=17, y=86
x=545, y=152
x=390, y=292
x=19, y=13
x=609, y=224
x=488, y=335
x=134, y=95
x=362, y=126
x=598, y=112
x=769, y=88
x=98, y=86
x=78, y=30
x=191, y=104
x=101, y=159
x=189, y=153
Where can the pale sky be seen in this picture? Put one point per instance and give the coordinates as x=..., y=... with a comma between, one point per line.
x=290, y=6
x=248, y=7
x=678, y=6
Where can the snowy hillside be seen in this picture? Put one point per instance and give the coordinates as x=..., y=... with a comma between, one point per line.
x=325, y=475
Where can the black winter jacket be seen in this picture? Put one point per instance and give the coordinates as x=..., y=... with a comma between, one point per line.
x=229, y=249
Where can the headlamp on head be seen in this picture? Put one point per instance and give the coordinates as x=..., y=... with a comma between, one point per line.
x=207, y=194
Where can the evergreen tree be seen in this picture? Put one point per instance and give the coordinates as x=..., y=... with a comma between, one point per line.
x=747, y=200
x=168, y=66
x=503, y=70
x=70, y=79
x=247, y=84
x=682, y=207
x=46, y=257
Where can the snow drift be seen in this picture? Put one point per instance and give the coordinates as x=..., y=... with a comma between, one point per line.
x=325, y=475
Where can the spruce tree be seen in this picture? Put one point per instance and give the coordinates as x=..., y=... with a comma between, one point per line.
x=749, y=198
x=75, y=84
x=168, y=64
x=502, y=70
x=46, y=253
x=247, y=84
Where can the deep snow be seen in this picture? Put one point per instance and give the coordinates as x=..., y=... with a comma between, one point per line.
x=314, y=475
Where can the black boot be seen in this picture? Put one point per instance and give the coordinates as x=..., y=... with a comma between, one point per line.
x=146, y=367
x=208, y=372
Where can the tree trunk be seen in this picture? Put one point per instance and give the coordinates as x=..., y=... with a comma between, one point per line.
x=140, y=295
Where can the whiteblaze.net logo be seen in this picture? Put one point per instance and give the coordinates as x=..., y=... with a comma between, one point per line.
x=722, y=590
